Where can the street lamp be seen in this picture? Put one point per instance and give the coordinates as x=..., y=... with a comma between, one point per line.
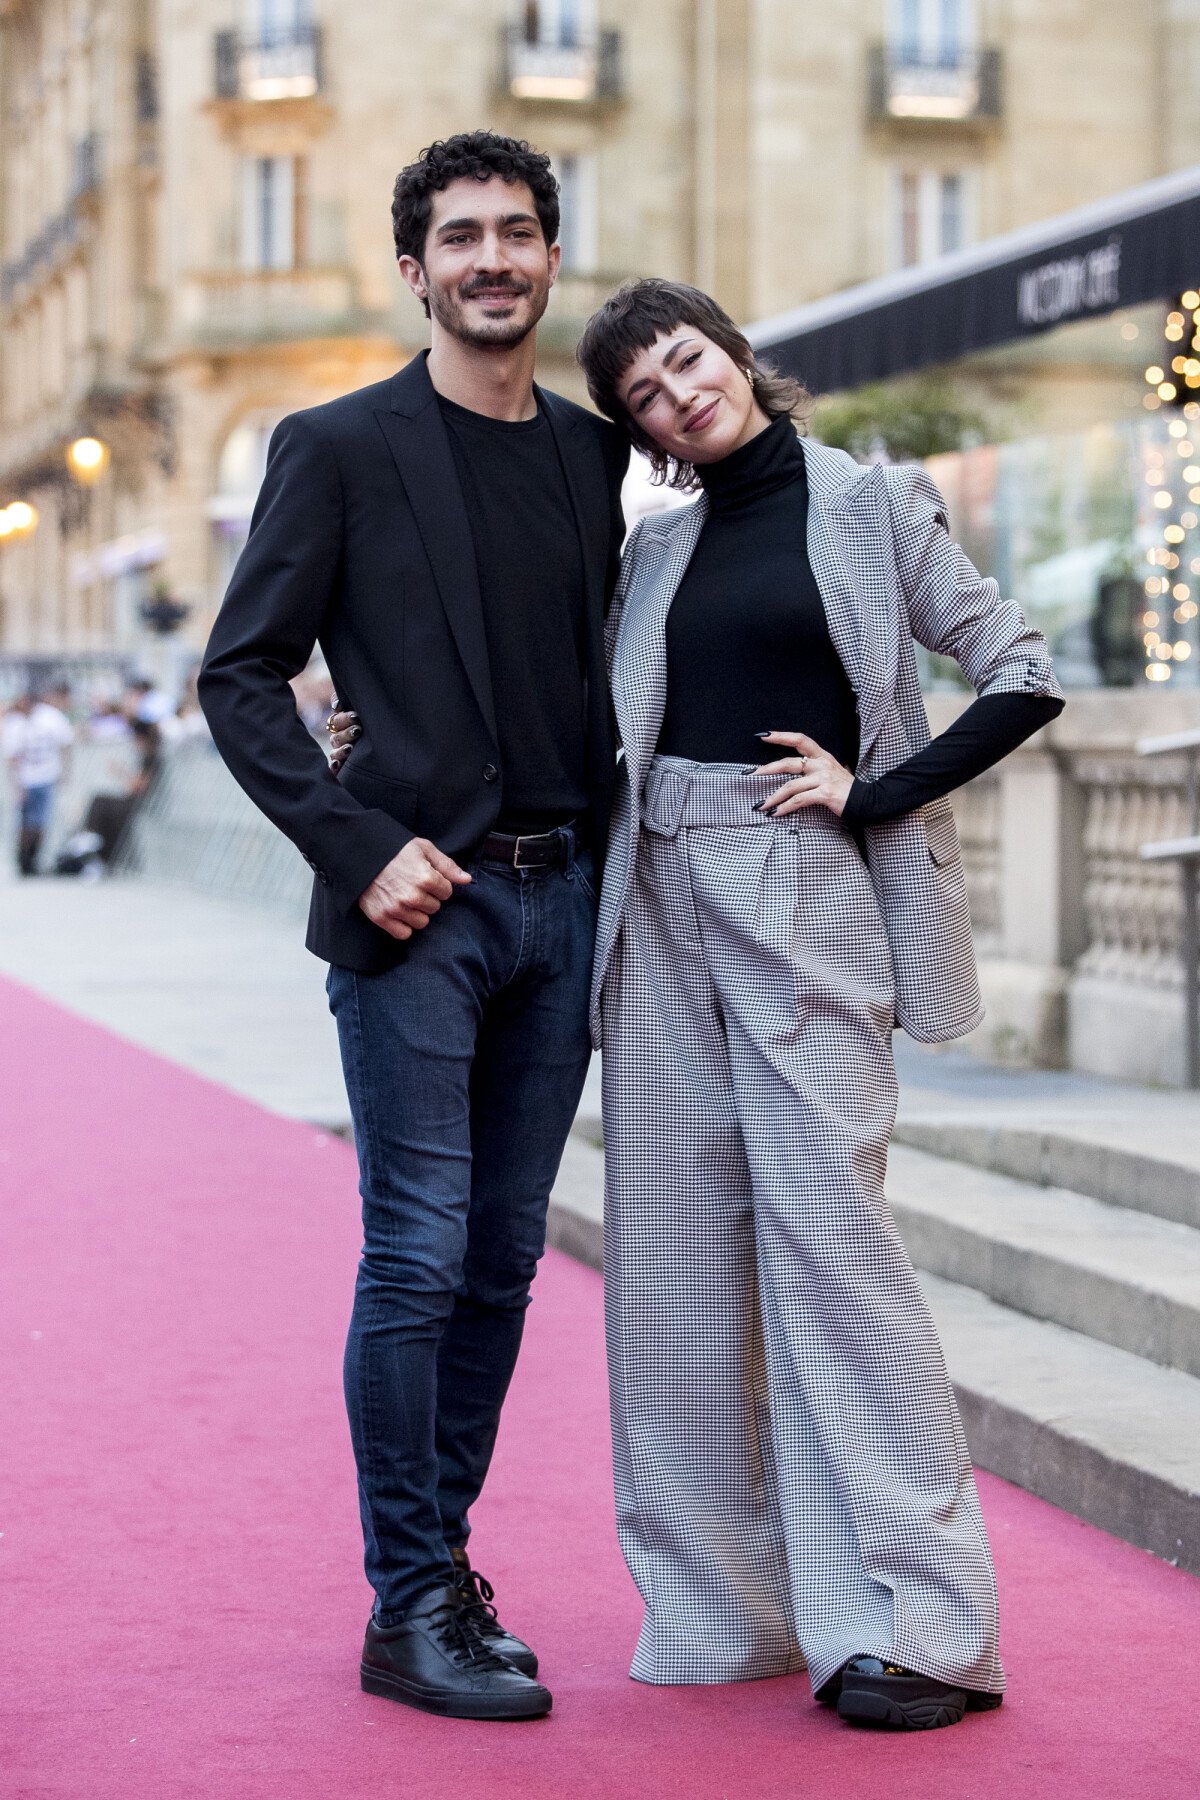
x=87, y=459
x=18, y=519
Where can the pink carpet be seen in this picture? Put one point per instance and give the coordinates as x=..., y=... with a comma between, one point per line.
x=182, y=1595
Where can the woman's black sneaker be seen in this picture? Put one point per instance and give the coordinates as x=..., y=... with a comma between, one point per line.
x=478, y=1595
x=436, y=1660
x=871, y=1692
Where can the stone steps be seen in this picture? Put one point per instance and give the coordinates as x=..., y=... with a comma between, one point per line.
x=1125, y=1278
x=1103, y=1434
x=1106, y=1169
x=1071, y=1327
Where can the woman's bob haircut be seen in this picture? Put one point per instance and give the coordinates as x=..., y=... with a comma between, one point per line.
x=635, y=317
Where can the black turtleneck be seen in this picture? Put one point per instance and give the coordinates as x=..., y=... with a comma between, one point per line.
x=748, y=646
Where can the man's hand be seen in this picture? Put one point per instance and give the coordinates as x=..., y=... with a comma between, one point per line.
x=404, y=896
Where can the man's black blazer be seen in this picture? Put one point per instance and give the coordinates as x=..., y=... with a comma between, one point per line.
x=360, y=542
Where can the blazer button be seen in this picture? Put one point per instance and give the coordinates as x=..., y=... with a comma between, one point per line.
x=490, y=772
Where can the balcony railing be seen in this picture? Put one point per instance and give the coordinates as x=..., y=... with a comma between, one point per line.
x=85, y=167
x=578, y=73
x=962, y=88
x=228, y=308
x=59, y=235
x=283, y=65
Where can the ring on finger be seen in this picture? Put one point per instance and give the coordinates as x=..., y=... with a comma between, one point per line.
x=329, y=724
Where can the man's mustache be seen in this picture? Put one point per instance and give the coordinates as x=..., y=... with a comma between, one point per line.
x=483, y=286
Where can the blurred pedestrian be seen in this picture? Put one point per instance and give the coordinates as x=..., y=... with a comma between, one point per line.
x=145, y=701
x=37, y=740
x=110, y=812
x=186, y=724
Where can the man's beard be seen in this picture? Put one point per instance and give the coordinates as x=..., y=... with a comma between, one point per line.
x=448, y=308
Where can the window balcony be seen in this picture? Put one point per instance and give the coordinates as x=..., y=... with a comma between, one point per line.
x=236, y=308
x=586, y=72
x=284, y=65
x=960, y=88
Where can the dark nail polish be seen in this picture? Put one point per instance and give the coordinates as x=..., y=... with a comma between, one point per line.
x=763, y=734
x=759, y=806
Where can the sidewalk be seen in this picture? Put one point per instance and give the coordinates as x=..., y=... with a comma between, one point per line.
x=227, y=989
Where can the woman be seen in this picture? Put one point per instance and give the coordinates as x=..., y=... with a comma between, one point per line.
x=793, y=1485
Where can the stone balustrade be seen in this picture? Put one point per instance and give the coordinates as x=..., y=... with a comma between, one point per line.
x=1079, y=940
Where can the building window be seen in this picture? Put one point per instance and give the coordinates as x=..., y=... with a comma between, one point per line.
x=578, y=232
x=270, y=190
x=951, y=232
x=930, y=213
x=568, y=24
x=938, y=32
x=275, y=21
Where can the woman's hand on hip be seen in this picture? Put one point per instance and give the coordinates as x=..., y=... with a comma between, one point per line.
x=344, y=732
x=819, y=779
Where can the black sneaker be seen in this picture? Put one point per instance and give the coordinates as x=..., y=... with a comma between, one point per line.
x=436, y=1661
x=871, y=1692
x=478, y=1594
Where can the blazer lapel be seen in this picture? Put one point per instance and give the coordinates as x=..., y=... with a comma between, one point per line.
x=844, y=519
x=424, y=462
x=640, y=664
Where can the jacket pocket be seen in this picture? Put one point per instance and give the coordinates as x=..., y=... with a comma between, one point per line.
x=398, y=799
x=941, y=833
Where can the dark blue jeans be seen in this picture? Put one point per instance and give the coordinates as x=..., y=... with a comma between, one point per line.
x=464, y=1065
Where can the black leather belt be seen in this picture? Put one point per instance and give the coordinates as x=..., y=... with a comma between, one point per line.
x=543, y=850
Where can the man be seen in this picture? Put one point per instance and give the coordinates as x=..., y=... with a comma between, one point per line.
x=37, y=741
x=451, y=538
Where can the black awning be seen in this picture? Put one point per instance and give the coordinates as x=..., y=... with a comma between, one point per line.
x=1137, y=246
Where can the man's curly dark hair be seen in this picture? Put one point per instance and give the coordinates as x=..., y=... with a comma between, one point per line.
x=481, y=154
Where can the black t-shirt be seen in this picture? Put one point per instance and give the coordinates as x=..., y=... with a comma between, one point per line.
x=531, y=583
x=748, y=647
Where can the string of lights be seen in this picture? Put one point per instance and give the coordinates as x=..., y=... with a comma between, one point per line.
x=1172, y=472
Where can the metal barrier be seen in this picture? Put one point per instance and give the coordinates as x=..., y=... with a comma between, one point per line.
x=197, y=827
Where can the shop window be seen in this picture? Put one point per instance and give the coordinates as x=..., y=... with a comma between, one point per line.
x=240, y=472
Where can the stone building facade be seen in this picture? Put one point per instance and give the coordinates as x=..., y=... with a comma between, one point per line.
x=195, y=235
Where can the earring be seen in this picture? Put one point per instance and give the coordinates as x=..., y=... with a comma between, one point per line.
x=749, y=374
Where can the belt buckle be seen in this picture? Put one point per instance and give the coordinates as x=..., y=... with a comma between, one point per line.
x=518, y=857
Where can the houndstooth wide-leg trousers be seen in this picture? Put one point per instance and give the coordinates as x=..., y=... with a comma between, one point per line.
x=793, y=1484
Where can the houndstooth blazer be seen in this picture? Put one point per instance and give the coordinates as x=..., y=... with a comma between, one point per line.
x=888, y=573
